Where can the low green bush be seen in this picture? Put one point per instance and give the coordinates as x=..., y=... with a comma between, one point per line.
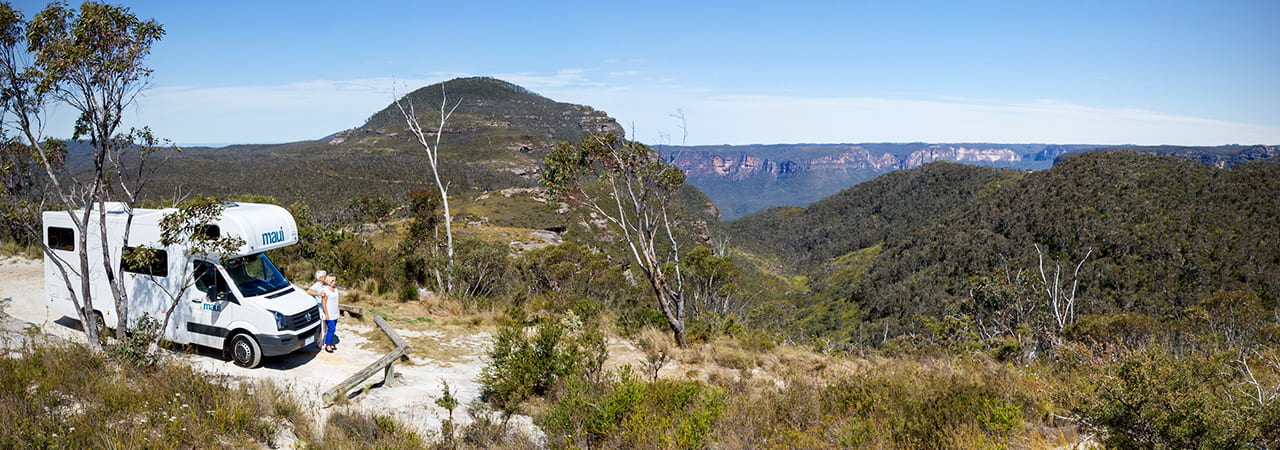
x=626, y=412
x=133, y=347
x=351, y=429
x=67, y=396
x=1152, y=397
x=522, y=366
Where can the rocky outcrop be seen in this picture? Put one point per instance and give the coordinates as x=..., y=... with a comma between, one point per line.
x=742, y=165
x=735, y=166
x=593, y=121
x=959, y=154
x=487, y=113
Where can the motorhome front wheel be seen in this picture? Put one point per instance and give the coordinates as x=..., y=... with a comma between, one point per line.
x=245, y=351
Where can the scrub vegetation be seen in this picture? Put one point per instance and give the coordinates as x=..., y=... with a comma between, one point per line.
x=906, y=312
x=63, y=396
x=1118, y=298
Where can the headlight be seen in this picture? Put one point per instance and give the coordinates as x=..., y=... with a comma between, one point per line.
x=280, y=320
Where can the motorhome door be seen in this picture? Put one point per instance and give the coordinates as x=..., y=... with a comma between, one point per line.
x=209, y=299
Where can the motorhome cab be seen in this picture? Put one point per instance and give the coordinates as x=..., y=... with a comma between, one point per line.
x=240, y=304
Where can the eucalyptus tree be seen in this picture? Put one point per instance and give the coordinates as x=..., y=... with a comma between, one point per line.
x=433, y=159
x=630, y=188
x=92, y=60
x=1062, y=303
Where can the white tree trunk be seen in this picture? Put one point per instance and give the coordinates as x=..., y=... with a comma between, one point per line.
x=433, y=154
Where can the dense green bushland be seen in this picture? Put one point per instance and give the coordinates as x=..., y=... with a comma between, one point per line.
x=932, y=395
x=1162, y=235
x=879, y=210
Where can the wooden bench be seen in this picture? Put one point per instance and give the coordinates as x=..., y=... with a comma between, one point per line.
x=386, y=364
x=354, y=311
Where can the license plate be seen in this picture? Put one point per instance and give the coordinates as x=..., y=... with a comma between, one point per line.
x=309, y=341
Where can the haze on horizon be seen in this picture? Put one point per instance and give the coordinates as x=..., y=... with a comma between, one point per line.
x=1139, y=72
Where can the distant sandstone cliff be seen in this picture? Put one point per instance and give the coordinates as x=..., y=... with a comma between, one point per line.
x=739, y=165
x=742, y=179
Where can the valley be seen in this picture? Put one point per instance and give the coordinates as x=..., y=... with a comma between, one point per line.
x=882, y=295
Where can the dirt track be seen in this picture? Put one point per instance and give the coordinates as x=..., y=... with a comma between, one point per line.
x=309, y=372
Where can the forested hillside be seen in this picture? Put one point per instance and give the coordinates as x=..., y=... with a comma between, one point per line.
x=743, y=179
x=865, y=214
x=1222, y=156
x=1162, y=235
x=495, y=139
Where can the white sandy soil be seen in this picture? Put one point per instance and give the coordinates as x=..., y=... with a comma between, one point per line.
x=308, y=372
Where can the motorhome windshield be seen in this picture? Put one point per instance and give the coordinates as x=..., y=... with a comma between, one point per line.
x=255, y=274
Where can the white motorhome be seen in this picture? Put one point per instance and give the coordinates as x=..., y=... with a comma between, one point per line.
x=240, y=304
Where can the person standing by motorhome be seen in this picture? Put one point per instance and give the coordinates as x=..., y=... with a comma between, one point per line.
x=316, y=291
x=330, y=301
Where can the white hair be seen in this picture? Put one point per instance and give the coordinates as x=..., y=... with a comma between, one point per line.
x=320, y=274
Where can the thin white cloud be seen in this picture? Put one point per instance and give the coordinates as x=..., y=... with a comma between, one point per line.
x=560, y=79
x=747, y=119
x=266, y=114
x=313, y=109
x=790, y=119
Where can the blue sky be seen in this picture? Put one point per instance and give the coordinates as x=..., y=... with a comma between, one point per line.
x=1114, y=72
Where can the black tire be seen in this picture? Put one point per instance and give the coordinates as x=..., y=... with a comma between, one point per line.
x=96, y=321
x=245, y=351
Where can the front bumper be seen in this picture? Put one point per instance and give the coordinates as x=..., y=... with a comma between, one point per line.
x=283, y=344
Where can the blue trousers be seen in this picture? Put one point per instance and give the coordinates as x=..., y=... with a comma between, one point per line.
x=329, y=325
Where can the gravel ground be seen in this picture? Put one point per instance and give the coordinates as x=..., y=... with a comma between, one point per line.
x=307, y=373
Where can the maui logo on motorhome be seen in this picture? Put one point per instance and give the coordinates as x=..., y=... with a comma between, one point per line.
x=272, y=237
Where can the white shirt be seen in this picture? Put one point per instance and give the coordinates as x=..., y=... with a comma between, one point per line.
x=331, y=302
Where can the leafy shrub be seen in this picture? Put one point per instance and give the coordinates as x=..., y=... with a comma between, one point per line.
x=1006, y=349
x=133, y=348
x=626, y=412
x=352, y=429
x=1131, y=329
x=1154, y=398
x=449, y=403
x=570, y=276
x=408, y=292
x=1238, y=317
x=637, y=318
x=521, y=366
x=480, y=267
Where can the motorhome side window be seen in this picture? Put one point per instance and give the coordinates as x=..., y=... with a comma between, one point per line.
x=210, y=282
x=61, y=238
x=146, y=261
